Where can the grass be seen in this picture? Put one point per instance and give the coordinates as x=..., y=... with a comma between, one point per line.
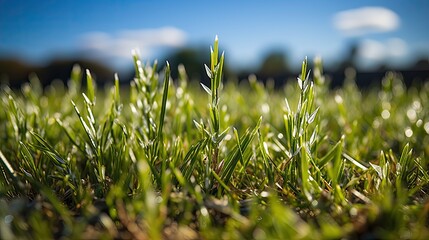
x=169, y=159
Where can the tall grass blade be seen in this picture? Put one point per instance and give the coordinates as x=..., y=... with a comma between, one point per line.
x=164, y=102
x=236, y=154
x=90, y=86
x=7, y=165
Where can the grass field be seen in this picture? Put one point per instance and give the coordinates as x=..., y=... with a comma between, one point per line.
x=176, y=160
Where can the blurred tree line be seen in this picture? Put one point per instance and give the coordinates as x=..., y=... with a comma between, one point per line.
x=15, y=72
x=274, y=67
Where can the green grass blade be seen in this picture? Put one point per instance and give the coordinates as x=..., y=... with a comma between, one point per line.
x=191, y=158
x=89, y=132
x=90, y=86
x=164, y=102
x=45, y=147
x=234, y=157
x=214, y=54
x=7, y=165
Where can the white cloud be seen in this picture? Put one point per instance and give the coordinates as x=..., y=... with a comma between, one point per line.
x=376, y=50
x=372, y=50
x=396, y=47
x=365, y=20
x=121, y=44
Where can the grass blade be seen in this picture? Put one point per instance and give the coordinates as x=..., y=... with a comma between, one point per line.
x=164, y=101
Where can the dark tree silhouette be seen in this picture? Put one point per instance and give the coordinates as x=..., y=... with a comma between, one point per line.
x=192, y=58
x=16, y=73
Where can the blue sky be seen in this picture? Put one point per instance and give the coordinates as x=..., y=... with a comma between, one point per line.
x=392, y=31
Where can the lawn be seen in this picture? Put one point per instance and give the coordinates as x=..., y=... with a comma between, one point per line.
x=173, y=159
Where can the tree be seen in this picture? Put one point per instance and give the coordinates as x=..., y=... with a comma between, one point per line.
x=274, y=65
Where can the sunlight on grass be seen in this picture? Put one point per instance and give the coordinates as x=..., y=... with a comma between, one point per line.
x=168, y=158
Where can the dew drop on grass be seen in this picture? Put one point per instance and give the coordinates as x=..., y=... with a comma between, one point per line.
x=408, y=132
x=338, y=99
x=264, y=194
x=204, y=211
x=353, y=212
x=385, y=114
x=314, y=203
x=417, y=105
x=426, y=127
x=411, y=114
x=265, y=108
x=419, y=123
x=179, y=92
x=228, y=137
x=227, y=117
x=376, y=123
